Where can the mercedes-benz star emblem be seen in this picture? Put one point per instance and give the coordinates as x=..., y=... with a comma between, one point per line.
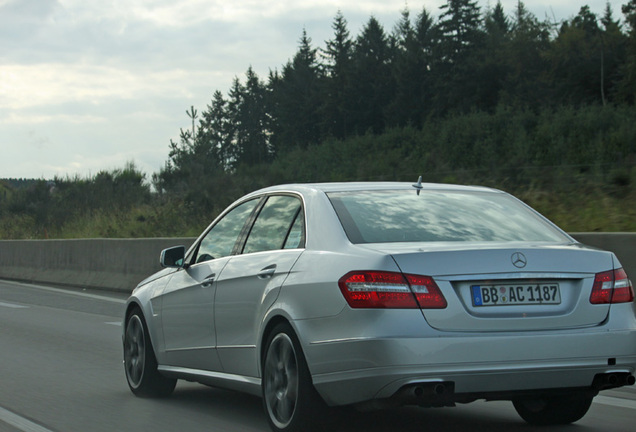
x=519, y=260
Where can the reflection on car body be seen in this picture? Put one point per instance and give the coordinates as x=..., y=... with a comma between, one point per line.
x=383, y=294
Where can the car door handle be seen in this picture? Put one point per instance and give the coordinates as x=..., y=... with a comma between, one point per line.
x=267, y=272
x=208, y=280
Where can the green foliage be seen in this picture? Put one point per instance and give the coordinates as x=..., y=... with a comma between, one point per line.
x=43, y=208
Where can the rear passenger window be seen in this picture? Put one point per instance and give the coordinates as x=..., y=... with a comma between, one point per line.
x=279, y=224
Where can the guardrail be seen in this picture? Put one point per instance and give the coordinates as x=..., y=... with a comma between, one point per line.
x=120, y=264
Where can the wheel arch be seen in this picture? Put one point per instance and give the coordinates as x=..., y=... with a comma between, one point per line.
x=132, y=305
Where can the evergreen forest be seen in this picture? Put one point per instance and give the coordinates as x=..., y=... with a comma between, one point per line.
x=465, y=94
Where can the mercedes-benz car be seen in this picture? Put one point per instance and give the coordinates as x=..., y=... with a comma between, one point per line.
x=376, y=295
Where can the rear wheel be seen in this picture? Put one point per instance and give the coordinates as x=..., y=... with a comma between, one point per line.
x=140, y=363
x=553, y=410
x=291, y=401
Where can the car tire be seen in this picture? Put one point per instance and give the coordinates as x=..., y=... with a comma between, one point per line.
x=291, y=402
x=140, y=362
x=553, y=410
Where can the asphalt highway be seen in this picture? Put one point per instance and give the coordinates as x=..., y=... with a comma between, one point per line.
x=61, y=371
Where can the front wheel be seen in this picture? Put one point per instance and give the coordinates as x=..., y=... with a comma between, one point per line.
x=290, y=399
x=140, y=363
x=553, y=410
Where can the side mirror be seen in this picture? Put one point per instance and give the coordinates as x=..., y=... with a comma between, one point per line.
x=172, y=257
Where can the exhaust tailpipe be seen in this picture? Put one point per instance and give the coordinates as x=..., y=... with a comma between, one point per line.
x=427, y=394
x=436, y=389
x=612, y=380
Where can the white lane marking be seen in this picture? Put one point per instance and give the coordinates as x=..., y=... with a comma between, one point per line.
x=114, y=323
x=11, y=305
x=20, y=423
x=613, y=401
x=63, y=291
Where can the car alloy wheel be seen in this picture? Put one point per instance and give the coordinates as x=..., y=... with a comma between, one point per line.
x=134, y=351
x=281, y=380
x=291, y=402
x=139, y=360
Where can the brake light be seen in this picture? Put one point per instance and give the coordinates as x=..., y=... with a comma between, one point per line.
x=612, y=287
x=378, y=289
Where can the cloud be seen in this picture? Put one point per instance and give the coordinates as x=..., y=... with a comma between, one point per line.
x=29, y=11
x=27, y=86
x=28, y=119
x=186, y=13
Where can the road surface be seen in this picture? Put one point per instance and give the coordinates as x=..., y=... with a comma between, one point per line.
x=61, y=371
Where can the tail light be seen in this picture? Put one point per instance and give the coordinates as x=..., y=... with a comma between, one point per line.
x=612, y=287
x=378, y=289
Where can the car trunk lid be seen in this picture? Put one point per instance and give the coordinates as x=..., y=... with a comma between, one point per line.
x=507, y=286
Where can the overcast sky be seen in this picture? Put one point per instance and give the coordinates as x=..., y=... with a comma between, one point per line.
x=88, y=85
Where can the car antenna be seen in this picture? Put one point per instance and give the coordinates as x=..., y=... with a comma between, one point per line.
x=418, y=185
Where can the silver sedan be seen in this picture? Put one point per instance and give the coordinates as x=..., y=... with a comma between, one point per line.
x=375, y=295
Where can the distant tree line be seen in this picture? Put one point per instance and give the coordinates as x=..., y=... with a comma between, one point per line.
x=465, y=60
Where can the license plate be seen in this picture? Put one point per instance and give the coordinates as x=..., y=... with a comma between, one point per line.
x=519, y=294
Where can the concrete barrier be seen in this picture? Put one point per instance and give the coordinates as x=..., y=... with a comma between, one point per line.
x=120, y=264
x=114, y=264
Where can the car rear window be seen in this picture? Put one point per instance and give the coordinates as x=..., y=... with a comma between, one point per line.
x=439, y=216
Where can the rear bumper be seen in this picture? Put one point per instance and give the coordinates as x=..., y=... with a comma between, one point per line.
x=363, y=369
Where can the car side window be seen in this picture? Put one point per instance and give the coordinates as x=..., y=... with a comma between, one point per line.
x=296, y=237
x=276, y=225
x=220, y=240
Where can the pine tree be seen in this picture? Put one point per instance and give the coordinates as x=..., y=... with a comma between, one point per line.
x=297, y=99
x=372, y=79
x=527, y=86
x=577, y=60
x=458, y=55
x=627, y=84
x=459, y=25
x=337, y=85
x=215, y=132
x=411, y=70
x=493, y=69
x=248, y=115
x=496, y=23
x=614, y=53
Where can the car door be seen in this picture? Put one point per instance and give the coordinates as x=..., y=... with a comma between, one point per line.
x=251, y=281
x=187, y=304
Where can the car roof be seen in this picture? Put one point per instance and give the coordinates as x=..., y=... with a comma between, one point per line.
x=364, y=186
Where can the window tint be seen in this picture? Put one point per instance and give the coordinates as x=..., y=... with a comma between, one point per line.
x=273, y=225
x=220, y=240
x=404, y=216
